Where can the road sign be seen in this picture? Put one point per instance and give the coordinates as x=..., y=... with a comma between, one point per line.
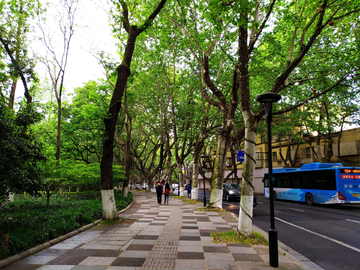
x=240, y=156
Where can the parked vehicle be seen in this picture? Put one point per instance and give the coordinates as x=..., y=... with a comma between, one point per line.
x=175, y=186
x=231, y=192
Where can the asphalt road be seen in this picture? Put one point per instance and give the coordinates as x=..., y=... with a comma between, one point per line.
x=328, y=235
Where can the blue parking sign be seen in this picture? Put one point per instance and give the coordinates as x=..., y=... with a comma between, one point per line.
x=240, y=156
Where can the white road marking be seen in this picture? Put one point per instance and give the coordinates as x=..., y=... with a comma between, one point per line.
x=297, y=210
x=323, y=236
x=352, y=220
x=238, y=205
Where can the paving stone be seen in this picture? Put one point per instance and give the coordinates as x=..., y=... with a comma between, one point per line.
x=129, y=262
x=98, y=261
x=247, y=257
x=190, y=255
x=106, y=253
x=173, y=237
x=221, y=265
x=57, y=267
x=216, y=249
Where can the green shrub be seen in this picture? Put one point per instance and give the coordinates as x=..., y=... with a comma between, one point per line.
x=30, y=223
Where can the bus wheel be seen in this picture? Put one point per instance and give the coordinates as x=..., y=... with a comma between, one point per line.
x=274, y=195
x=309, y=199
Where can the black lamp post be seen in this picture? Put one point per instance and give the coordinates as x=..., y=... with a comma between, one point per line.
x=273, y=239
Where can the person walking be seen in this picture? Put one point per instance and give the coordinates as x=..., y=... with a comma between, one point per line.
x=159, y=192
x=189, y=190
x=166, y=193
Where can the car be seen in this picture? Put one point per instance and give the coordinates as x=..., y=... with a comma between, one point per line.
x=175, y=186
x=231, y=192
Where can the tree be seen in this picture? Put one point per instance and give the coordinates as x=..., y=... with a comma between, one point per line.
x=20, y=152
x=309, y=33
x=123, y=72
x=56, y=59
x=14, y=30
x=82, y=128
x=234, y=37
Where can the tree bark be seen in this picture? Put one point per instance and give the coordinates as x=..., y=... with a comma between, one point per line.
x=123, y=71
x=247, y=187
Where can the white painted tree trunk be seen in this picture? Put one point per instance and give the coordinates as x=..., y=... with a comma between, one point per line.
x=11, y=197
x=195, y=181
x=181, y=181
x=247, y=188
x=125, y=191
x=182, y=191
x=108, y=203
x=218, y=175
x=61, y=191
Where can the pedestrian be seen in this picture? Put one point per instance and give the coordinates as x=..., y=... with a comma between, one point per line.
x=159, y=192
x=189, y=190
x=166, y=193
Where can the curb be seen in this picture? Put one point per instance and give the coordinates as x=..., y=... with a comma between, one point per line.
x=31, y=251
x=299, y=259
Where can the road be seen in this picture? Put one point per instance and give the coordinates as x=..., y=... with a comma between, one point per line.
x=328, y=235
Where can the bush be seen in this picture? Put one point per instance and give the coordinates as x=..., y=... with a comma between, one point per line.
x=30, y=223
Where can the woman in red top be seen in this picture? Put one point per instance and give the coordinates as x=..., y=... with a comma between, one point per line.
x=166, y=193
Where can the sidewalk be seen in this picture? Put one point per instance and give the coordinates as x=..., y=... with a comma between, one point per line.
x=174, y=236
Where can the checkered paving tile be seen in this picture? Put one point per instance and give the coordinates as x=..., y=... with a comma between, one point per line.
x=174, y=236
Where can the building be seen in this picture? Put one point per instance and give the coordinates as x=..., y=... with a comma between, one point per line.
x=343, y=147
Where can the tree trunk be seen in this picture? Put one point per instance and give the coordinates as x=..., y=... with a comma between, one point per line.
x=195, y=177
x=219, y=171
x=12, y=94
x=247, y=187
x=61, y=191
x=58, y=134
x=108, y=204
x=107, y=192
x=181, y=180
x=47, y=197
x=123, y=71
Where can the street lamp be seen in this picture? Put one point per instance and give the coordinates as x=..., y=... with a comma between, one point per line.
x=203, y=168
x=270, y=98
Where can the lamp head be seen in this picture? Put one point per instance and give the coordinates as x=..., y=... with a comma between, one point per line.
x=269, y=97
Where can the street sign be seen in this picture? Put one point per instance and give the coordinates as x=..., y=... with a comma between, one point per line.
x=240, y=156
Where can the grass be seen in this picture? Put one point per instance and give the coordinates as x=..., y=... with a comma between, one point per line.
x=30, y=223
x=192, y=201
x=211, y=209
x=233, y=237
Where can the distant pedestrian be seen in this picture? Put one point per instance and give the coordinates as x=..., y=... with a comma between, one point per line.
x=166, y=193
x=189, y=190
x=159, y=192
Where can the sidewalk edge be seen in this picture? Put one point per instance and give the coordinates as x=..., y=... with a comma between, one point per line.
x=33, y=250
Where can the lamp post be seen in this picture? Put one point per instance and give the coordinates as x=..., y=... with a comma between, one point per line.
x=203, y=168
x=273, y=239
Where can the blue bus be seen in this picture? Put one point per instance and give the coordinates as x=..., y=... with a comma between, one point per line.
x=322, y=183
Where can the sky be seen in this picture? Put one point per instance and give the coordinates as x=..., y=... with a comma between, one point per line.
x=91, y=33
